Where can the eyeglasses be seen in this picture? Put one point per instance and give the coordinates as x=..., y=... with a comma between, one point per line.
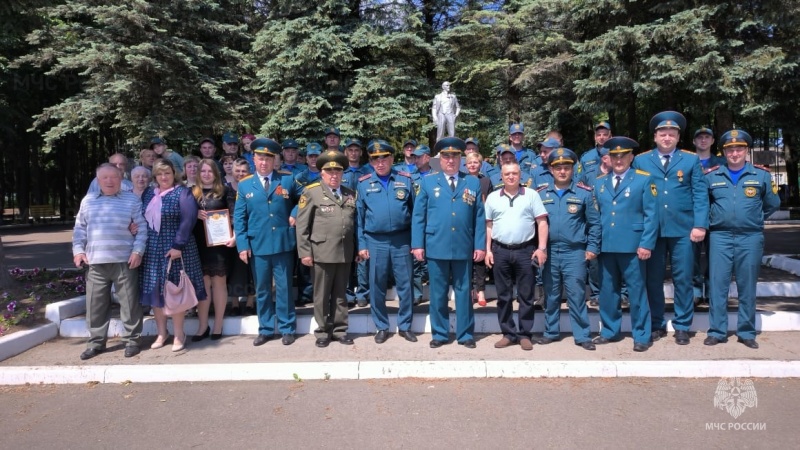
x=448, y=155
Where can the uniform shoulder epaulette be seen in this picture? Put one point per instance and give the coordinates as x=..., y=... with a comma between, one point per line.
x=404, y=173
x=364, y=177
x=603, y=175
x=688, y=151
x=644, y=153
x=541, y=188
x=313, y=185
x=432, y=172
x=583, y=186
x=710, y=169
x=642, y=172
x=247, y=177
x=284, y=172
x=759, y=166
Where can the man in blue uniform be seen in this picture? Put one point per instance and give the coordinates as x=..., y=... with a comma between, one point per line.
x=358, y=287
x=526, y=157
x=682, y=213
x=626, y=199
x=290, y=154
x=574, y=238
x=383, y=217
x=449, y=229
x=514, y=216
x=506, y=155
x=742, y=197
x=591, y=158
x=265, y=239
x=409, y=164
x=703, y=140
x=332, y=139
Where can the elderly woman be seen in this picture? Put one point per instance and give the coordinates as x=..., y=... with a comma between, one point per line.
x=171, y=213
x=474, y=161
x=212, y=195
x=190, y=166
x=140, y=177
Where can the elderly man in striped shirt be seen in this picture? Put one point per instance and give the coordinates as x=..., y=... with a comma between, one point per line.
x=102, y=239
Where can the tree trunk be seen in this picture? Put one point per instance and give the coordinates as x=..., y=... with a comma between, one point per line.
x=5, y=278
x=792, y=155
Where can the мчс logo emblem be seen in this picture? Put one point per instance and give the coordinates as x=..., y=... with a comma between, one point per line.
x=734, y=395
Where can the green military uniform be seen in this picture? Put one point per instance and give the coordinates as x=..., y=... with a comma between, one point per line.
x=326, y=233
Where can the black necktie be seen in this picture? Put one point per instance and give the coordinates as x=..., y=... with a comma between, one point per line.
x=666, y=161
x=618, y=181
x=336, y=195
x=266, y=184
x=453, y=184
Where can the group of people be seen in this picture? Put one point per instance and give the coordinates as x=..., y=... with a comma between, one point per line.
x=347, y=232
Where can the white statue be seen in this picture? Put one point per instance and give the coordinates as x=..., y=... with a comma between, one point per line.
x=444, y=112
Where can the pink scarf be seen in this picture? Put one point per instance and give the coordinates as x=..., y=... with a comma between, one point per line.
x=153, y=212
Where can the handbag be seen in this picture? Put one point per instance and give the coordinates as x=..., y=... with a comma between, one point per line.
x=181, y=297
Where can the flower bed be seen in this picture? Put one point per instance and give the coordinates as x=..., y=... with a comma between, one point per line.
x=23, y=303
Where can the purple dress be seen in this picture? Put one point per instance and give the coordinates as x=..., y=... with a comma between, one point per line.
x=178, y=216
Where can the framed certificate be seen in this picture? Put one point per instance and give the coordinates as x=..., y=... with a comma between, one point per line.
x=218, y=228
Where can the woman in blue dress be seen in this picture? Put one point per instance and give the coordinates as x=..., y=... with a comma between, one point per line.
x=171, y=213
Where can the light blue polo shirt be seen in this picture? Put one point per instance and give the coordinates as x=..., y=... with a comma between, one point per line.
x=514, y=218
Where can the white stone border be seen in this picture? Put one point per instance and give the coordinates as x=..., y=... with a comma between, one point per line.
x=22, y=341
x=367, y=370
x=782, y=262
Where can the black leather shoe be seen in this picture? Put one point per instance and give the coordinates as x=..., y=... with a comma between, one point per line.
x=407, y=335
x=587, y=345
x=750, y=343
x=261, y=339
x=323, y=342
x=287, y=339
x=469, y=343
x=641, y=347
x=200, y=337
x=131, y=351
x=682, y=337
x=546, y=340
x=711, y=340
x=658, y=334
x=436, y=344
x=345, y=340
x=90, y=353
x=381, y=336
x=600, y=340
x=363, y=303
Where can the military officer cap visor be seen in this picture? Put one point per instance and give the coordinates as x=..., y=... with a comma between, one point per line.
x=379, y=147
x=450, y=145
x=265, y=146
x=422, y=150
x=561, y=156
x=332, y=160
x=313, y=149
x=602, y=124
x=736, y=138
x=620, y=144
x=704, y=130
x=516, y=128
x=667, y=119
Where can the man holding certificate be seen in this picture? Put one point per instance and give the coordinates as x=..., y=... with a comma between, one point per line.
x=266, y=240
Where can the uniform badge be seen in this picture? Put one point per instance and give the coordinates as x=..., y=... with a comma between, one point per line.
x=654, y=190
x=573, y=208
x=627, y=192
x=751, y=191
x=248, y=195
x=400, y=194
x=416, y=189
x=774, y=188
x=302, y=202
x=680, y=176
x=436, y=191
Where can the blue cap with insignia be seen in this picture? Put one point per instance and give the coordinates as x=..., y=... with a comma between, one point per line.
x=157, y=141
x=602, y=124
x=516, y=128
x=410, y=142
x=503, y=148
x=290, y=143
x=332, y=130
x=230, y=138
x=422, y=149
x=332, y=159
x=351, y=141
x=704, y=130
x=265, y=146
x=313, y=149
x=450, y=145
x=561, y=155
x=379, y=147
x=550, y=142
x=471, y=140
x=620, y=144
x=667, y=119
x=736, y=138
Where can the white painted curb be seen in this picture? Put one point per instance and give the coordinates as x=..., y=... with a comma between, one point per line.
x=22, y=341
x=396, y=369
x=782, y=262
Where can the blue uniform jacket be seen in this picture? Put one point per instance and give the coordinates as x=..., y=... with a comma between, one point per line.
x=383, y=210
x=590, y=159
x=542, y=177
x=745, y=205
x=682, y=202
x=352, y=174
x=261, y=219
x=447, y=224
x=628, y=216
x=496, y=179
x=574, y=221
x=295, y=169
x=306, y=177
